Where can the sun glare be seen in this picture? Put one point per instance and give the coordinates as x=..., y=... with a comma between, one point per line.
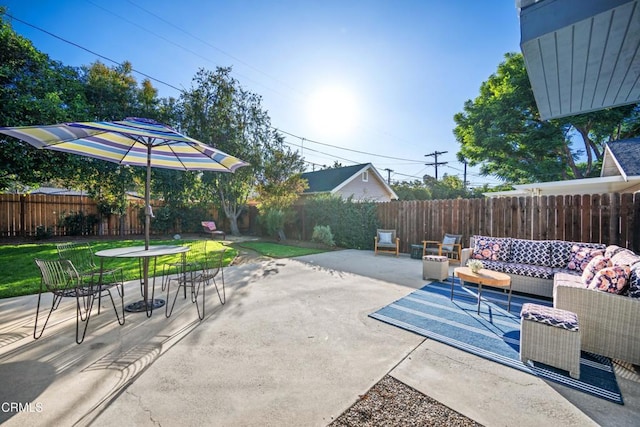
x=333, y=111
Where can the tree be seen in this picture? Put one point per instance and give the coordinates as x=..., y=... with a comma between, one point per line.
x=501, y=130
x=280, y=184
x=217, y=110
x=34, y=90
x=413, y=190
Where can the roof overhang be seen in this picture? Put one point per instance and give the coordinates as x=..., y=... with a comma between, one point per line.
x=581, y=55
x=607, y=184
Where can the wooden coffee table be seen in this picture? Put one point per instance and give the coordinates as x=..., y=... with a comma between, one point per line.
x=484, y=277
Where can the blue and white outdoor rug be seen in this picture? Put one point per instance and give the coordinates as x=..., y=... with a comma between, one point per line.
x=494, y=334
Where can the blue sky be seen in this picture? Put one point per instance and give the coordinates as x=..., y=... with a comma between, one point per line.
x=379, y=78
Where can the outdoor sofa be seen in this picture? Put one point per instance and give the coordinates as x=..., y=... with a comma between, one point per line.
x=600, y=284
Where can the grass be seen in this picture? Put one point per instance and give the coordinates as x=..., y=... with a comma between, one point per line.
x=20, y=275
x=277, y=250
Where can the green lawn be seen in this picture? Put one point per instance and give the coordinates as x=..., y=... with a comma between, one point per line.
x=277, y=250
x=20, y=275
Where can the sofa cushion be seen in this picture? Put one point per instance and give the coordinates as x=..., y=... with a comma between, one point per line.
x=596, y=264
x=491, y=248
x=625, y=257
x=535, y=252
x=561, y=251
x=580, y=256
x=613, y=279
x=634, y=282
x=528, y=270
x=494, y=265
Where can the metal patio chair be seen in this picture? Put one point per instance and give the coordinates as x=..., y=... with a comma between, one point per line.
x=81, y=255
x=197, y=281
x=189, y=261
x=62, y=279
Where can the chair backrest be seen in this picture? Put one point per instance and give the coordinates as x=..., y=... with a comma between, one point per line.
x=449, y=240
x=58, y=275
x=197, y=251
x=80, y=254
x=214, y=262
x=209, y=225
x=386, y=236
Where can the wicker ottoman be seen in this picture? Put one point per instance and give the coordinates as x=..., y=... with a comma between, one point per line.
x=550, y=336
x=435, y=267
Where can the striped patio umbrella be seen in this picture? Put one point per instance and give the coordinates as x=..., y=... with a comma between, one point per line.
x=132, y=141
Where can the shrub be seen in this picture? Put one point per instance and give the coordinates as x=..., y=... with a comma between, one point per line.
x=322, y=234
x=273, y=221
x=79, y=224
x=353, y=224
x=43, y=232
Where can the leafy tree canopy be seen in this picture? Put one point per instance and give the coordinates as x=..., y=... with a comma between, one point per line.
x=501, y=131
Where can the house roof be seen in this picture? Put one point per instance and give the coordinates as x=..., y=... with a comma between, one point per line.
x=331, y=180
x=328, y=179
x=581, y=55
x=620, y=174
x=626, y=155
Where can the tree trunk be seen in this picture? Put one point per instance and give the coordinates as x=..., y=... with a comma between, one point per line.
x=572, y=164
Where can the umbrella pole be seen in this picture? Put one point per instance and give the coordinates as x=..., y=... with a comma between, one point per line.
x=147, y=226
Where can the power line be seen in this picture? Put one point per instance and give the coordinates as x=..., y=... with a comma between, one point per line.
x=180, y=90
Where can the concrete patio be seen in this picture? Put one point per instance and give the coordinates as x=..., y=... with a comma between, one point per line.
x=293, y=346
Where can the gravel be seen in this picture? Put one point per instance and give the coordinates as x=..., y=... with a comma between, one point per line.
x=392, y=403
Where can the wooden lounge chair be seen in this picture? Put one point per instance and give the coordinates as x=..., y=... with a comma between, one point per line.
x=387, y=241
x=450, y=246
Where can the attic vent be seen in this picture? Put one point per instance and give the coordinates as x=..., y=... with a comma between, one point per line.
x=365, y=176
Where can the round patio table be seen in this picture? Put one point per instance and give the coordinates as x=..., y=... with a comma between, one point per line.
x=144, y=255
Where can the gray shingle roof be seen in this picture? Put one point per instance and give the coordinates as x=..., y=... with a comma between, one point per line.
x=627, y=154
x=328, y=179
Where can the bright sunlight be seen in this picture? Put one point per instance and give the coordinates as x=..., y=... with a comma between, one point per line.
x=333, y=111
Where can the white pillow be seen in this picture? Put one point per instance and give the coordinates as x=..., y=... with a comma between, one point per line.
x=385, y=238
x=447, y=243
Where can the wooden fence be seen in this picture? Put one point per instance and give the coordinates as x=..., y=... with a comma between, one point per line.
x=22, y=214
x=605, y=218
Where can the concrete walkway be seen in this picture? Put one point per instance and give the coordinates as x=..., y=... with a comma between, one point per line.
x=293, y=346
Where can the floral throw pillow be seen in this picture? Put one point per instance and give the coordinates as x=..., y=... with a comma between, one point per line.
x=611, y=279
x=596, y=264
x=487, y=248
x=580, y=256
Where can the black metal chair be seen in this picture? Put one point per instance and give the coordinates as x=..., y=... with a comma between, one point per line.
x=81, y=255
x=189, y=261
x=62, y=279
x=197, y=280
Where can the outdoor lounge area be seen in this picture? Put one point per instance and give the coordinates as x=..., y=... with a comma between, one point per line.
x=293, y=345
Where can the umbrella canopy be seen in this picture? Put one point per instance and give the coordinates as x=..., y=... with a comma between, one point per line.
x=132, y=141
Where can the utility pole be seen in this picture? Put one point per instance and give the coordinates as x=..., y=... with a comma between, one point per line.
x=389, y=175
x=465, y=175
x=436, y=163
